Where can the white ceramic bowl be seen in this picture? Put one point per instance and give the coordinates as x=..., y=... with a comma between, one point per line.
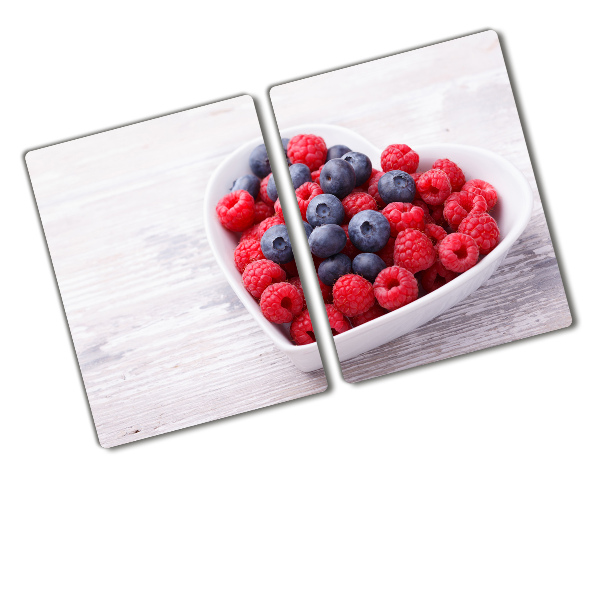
x=512, y=213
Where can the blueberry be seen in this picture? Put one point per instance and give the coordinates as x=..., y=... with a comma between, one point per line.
x=396, y=186
x=332, y=268
x=259, y=161
x=337, y=151
x=369, y=231
x=324, y=209
x=250, y=183
x=337, y=178
x=361, y=164
x=327, y=240
x=276, y=246
x=284, y=143
x=307, y=228
x=299, y=173
x=368, y=265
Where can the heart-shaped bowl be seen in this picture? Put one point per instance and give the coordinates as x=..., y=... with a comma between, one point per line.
x=512, y=213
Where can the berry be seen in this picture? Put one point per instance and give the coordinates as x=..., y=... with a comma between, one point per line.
x=416, y=177
x=373, y=189
x=349, y=249
x=402, y=215
x=316, y=175
x=356, y=202
x=483, y=229
x=262, y=193
x=395, y=287
x=236, y=210
x=413, y=251
x=387, y=252
x=285, y=142
x=334, y=267
x=259, y=161
x=361, y=164
x=290, y=268
x=337, y=321
x=295, y=281
x=460, y=204
x=276, y=246
x=482, y=188
x=247, y=251
x=269, y=222
x=434, y=187
x=301, y=329
x=251, y=232
x=298, y=172
x=458, y=252
x=327, y=240
x=337, y=151
x=399, y=157
x=369, y=231
x=353, y=295
x=305, y=193
x=260, y=274
x=281, y=302
x=455, y=174
x=326, y=292
x=373, y=313
x=307, y=229
x=436, y=276
x=262, y=211
x=307, y=149
x=368, y=265
x=250, y=183
x=325, y=209
x=396, y=186
x=435, y=232
x=337, y=178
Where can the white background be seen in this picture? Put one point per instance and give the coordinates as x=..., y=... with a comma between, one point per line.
x=473, y=478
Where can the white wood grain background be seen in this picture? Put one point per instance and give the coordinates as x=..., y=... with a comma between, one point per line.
x=457, y=91
x=161, y=339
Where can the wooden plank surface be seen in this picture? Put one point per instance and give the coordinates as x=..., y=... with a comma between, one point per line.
x=161, y=339
x=457, y=91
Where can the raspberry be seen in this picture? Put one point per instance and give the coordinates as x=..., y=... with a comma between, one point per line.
x=353, y=295
x=484, y=189
x=460, y=204
x=372, y=189
x=305, y=193
x=436, y=276
x=260, y=274
x=337, y=321
x=349, y=249
x=356, y=202
x=308, y=149
x=395, y=287
x=295, y=281
x=413, y=251
x=403, y=215
x=437, y=215
x=434, y=187
x=483, y=229
x=262, y=194
x=387, y=252
x=290, y=268
x=247, y=251
x=374, y=312
x=365, y=186
x=236, y=210
x=251, y=232
x=277, y=208
x=267, y=224
x=399, y=157
x=455, y=174
x=435, y=232
x=458, y=252
x=262, y=210
x=416, y=177
x=316, y=175
x=301, y=329
x=281, y=302
x=326, y=292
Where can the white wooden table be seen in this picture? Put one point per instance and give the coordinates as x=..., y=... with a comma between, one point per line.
x=459, y=92
x=162, y=341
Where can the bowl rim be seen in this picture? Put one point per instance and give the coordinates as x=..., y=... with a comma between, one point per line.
x=499, y=251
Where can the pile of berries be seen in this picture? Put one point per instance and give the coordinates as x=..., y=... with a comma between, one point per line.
x=379, y=239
